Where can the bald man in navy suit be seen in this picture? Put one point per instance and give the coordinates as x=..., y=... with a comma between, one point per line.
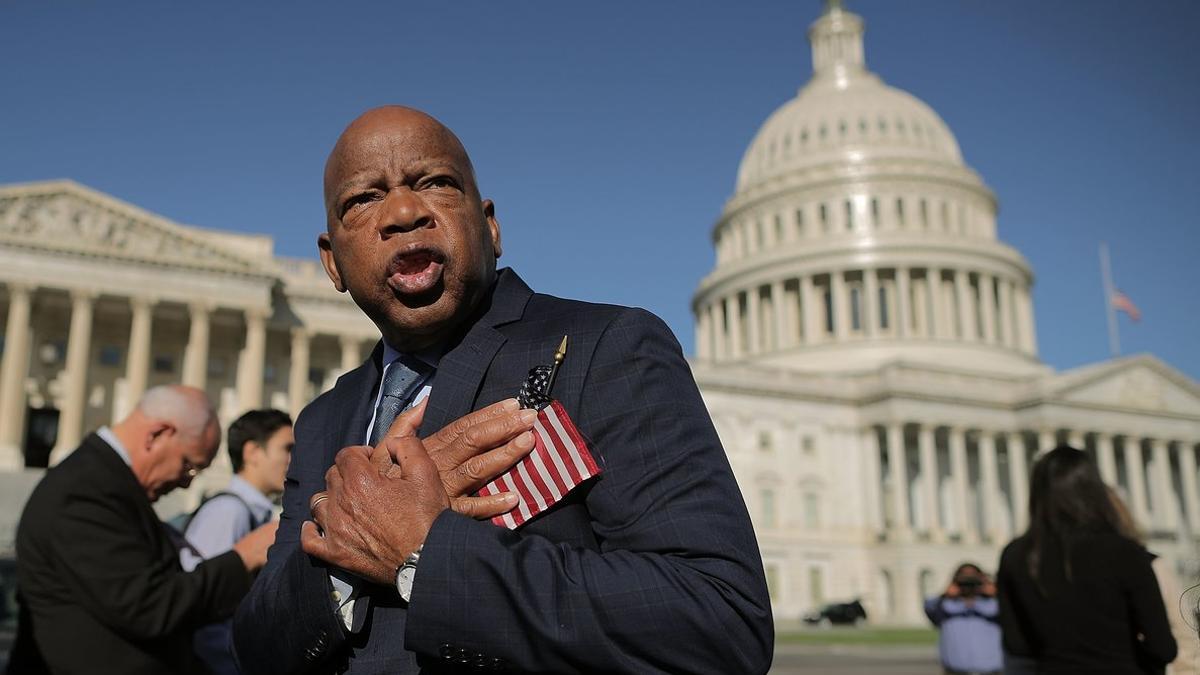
x=386, y=563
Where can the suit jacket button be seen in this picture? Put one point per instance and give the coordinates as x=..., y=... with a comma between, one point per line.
x=446, y=651
x=498, y=664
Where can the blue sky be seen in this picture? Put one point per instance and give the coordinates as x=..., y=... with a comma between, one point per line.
x=609, y=133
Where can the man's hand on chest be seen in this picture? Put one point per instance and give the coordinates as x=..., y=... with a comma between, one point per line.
x=379, y=503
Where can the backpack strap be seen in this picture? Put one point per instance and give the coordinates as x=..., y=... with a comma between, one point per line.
x=250, y=519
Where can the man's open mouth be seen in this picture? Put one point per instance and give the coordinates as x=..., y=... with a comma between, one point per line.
x=416, y=270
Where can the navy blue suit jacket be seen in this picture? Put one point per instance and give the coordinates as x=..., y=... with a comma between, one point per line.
x=651, y=567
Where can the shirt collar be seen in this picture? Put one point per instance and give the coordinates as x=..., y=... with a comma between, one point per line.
x=256, y=500
x=115, y=443
x=429, y=356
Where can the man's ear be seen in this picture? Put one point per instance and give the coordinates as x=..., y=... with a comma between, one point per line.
x=325, y=248
x=158, y=429
x=252, y=449
x=489, y=214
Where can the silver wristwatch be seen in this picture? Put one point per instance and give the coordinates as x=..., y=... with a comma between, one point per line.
x=406, y=572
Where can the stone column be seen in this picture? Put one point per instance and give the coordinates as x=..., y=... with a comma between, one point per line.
x=929, y=482
x=902, y=317
x=958, y=471
x=137, y=359
x=1025, y=317
x=813, y=325
x=79, y=349
x=870, y=303
x=195, y=357
x=298, y=370
x=989, y=488
x=937, y=311
x=1191, y=494
x=251, y=361
x=1165, y=507
x=351, y=352
x=717, y=310
x=967, y=327
x=703, y=333
x=753, y=321
x=898, y=476
x=1046, y=441
x=782, y=320
x=13, y=372
x=841, y=304
x=874, y=482
x=1076, y=440
x=732, y=317
x=1007, y=334
x=1018, y=479
x=1105, y=458
x=1135, y=473
x=987, y=307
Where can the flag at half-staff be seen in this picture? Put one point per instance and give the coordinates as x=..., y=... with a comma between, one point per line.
x=560, y=460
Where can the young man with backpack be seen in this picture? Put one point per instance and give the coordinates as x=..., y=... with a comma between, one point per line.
x=260, y=448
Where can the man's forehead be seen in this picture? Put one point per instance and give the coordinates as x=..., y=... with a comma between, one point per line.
x=383, y=136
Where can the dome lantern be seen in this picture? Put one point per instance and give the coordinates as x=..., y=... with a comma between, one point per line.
x=837, y=44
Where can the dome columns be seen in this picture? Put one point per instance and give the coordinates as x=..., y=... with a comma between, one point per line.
x=865, y=303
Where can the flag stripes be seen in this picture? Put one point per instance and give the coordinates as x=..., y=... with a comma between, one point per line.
x=559, y=462
x=1122, y=303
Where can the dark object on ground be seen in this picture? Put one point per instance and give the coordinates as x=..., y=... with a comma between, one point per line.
x=838, y=614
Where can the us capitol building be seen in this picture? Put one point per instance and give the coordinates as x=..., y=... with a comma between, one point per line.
x=865, y=344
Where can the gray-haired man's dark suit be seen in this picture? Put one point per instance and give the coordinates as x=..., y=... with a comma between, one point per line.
x=652, y=567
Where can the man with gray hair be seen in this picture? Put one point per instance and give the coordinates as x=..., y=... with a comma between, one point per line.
x=99, y=575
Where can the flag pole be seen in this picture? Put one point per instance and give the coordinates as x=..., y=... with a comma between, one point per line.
x=1114, y=338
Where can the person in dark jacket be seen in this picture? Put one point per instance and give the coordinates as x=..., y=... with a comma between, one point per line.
x=1077, y=595
x=98, y=573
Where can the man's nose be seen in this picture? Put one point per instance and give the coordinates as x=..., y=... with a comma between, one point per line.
x=403, y=210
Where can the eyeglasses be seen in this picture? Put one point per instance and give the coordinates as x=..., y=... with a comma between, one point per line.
x=189, y=469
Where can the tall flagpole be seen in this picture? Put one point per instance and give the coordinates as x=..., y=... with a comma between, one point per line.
x=1114, y=338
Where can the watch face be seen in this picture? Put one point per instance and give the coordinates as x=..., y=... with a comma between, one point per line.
x=404, y=581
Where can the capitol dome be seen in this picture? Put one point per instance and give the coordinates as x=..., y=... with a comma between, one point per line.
x=857, y=234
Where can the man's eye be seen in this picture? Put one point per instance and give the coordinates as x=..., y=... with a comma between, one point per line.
x=441, y=182
x=358, y=200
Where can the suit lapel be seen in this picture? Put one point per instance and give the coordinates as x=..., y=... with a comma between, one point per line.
x=352, y=404
x=461, y=370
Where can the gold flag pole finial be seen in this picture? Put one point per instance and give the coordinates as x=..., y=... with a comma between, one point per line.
x=562, y=351
x=559, y=355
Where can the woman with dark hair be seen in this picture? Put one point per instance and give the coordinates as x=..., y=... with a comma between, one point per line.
x=1077, y=594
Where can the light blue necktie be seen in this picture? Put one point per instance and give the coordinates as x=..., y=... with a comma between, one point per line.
x=401, y=383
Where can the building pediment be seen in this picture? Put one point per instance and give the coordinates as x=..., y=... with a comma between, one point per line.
x=63, y=217
x=1141, y=383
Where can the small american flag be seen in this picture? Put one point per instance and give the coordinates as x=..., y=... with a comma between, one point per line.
x=559, y=462
x=1122, y=303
